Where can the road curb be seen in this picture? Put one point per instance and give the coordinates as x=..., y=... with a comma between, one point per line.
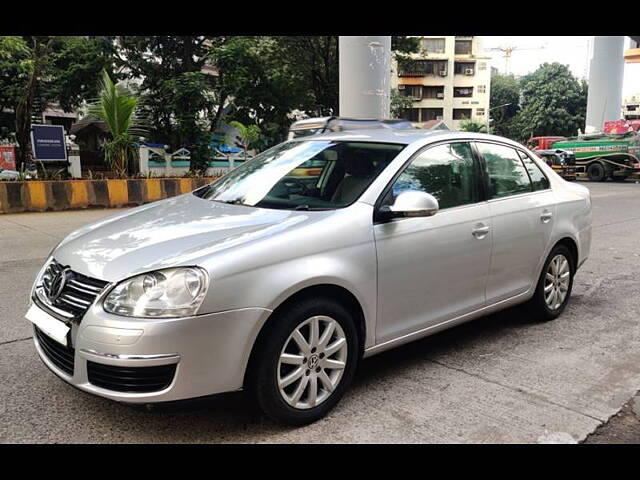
x=44, y=195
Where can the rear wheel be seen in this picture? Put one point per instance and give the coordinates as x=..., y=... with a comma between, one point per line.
x=596, y=172
x=554, y=285
x=306, y=362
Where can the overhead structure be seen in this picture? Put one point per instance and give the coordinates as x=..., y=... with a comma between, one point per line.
x=365, y=73
x=606, y=73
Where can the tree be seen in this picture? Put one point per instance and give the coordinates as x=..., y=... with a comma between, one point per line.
x=248, y=134
x=173, y=89
x=39, y=58
x=37, y=70
x=76, y=67
x=15, y=70
x=553, y=103
x=117, y=108
x=505, y=90
x=472, y=126
x=399, y=103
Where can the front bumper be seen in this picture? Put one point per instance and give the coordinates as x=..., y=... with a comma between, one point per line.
x=210, y=351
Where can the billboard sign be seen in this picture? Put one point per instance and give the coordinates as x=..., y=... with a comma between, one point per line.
x=48, y=143
x=7, y=157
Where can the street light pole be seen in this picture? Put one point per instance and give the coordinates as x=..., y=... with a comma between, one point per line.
x=489, y=114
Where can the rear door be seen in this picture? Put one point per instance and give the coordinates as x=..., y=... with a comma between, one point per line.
x=522, y=209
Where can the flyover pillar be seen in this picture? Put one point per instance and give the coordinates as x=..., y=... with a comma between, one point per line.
x=365, y=73
x=606, y=71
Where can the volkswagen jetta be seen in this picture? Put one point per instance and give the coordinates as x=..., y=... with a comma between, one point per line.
x=278, y=285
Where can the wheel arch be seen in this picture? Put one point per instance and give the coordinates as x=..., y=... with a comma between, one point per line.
x=338, y=292
x=572, y=245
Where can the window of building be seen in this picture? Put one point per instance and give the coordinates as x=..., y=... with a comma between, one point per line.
x=538, y=180
x=430, y=114
x=413, y=68
x=463, y=47
x=433, y=92
x=464, y=68
x=462, y=91
x=482, y=89
x=433, y=45
x=412, y=114
x=480, y=111
x=413, y=91
x=507, y=175
x=446, y=171
x=461, y=113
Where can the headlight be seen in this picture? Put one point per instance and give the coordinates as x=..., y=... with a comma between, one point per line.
x=173, y=292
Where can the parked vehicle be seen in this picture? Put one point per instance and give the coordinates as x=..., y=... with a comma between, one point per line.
x=599, y=156
x=563, y=162
x=317, y=125
x=253, y=284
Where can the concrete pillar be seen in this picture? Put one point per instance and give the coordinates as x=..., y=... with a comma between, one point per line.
x=143, y=154
x=365, y=73
x=606, y=72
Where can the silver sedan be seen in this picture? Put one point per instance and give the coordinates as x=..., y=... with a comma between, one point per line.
x=280, y=276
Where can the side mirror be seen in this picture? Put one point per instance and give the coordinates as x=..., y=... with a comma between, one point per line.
x=409, y=204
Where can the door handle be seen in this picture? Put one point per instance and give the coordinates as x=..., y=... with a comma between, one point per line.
x=480, y=231
x=546, y=216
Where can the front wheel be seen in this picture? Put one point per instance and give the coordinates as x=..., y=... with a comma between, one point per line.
x=554, y=285
x=305, y=361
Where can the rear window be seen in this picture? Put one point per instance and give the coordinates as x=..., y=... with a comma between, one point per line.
x=538, y=179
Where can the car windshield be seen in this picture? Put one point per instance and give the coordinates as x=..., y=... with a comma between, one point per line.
x=304, y=175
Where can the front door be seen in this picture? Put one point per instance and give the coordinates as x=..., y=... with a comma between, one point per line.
x=431, y=269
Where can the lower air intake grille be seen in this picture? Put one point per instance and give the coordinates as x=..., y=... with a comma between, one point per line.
x=58, y=354
x=131, y=379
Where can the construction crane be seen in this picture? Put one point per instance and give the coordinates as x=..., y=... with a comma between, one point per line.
x=507, y=51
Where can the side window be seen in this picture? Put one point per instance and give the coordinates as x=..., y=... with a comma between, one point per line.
x=446, y=171
x=538, y=179
x=507, y=175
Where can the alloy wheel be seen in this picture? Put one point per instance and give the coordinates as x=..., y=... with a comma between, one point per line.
x=312, y=362
x=556, y=283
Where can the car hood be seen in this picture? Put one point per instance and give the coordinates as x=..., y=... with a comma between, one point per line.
x=177, y=231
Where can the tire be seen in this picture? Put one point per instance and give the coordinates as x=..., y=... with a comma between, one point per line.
x=267, y=369
x=539, y=307
x=596, y=172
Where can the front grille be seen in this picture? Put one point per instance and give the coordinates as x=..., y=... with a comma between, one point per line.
x=78, y=293
x=131, y=379
x=61, y=356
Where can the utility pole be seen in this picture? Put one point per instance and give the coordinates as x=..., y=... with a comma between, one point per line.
x=365, y=74
x=606, y=72
x=489, y=114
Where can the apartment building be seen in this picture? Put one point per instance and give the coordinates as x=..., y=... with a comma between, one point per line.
x=448, y=80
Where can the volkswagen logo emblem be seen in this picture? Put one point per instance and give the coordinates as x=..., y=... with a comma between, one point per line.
x=57, y=284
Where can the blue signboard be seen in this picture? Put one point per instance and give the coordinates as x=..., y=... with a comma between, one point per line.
x=48, y=143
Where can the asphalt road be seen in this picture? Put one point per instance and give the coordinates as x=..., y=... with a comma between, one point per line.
x=501, y=378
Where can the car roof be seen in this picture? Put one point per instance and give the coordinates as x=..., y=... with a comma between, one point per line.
x=405, y=137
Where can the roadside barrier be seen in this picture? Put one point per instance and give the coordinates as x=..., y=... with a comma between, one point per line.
x=42, y=195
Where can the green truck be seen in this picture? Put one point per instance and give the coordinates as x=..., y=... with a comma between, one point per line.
x=599, y=156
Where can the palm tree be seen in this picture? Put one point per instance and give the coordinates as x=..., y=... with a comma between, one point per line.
x=248, y=134
x=472, y=126
x=117, y=108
